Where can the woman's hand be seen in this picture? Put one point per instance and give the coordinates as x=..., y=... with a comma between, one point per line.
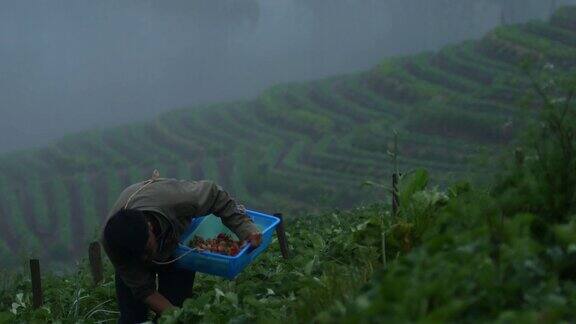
x=255, y=239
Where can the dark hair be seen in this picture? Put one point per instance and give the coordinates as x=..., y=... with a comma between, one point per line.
x=126, y=233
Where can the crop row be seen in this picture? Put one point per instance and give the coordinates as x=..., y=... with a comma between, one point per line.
x=14, y=228
x=548, y=31
x=421, y=67
x=564, y=18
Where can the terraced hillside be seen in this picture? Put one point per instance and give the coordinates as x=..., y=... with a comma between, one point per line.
x=295, y=147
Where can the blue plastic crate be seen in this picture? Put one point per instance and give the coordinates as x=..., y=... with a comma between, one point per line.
x=219, y=264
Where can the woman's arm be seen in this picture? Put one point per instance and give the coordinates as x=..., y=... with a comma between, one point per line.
x=158, y=303
x=210, y=198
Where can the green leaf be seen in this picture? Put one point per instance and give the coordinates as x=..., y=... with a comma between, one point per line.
x=318, y=242
x=566, y=233
x=309, y=266
x=412, y=183
x=6, y=317
x=232, y=298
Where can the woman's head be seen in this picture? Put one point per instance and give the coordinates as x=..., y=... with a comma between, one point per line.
x=130, y=235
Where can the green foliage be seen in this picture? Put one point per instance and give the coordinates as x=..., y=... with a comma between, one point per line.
x=328, y=263
x=332, y=256
x=545, y=182
x=535, y=44
x=13, y=212
x=298, y=116
x=68, y=299
x=564, y=18
x=470, y=268
x=454, y=254
x=502, y=255
x=463, y=125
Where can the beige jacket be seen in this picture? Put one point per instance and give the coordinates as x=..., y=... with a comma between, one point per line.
x=175, y=203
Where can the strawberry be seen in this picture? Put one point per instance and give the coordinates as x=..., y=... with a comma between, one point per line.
x=223, y=243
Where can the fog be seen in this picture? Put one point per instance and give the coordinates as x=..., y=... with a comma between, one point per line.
x=69, y=65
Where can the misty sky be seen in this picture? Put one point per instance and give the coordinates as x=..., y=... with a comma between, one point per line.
x=68, y=65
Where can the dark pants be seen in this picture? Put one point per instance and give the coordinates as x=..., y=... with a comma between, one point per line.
x=174, y=284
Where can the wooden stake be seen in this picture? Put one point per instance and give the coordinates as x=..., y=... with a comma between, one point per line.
x=395, y=175
x=95, y=257
x=36, y=283
x=395, y=198
x=281, y=234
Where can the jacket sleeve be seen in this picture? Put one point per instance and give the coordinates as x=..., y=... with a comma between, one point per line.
x=209, y=198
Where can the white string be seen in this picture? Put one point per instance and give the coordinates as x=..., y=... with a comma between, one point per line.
x=180, y=256
x=155, y=177
x=175, y=259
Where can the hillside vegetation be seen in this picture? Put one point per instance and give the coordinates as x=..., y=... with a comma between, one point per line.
x=505, y=253
x=296, y=147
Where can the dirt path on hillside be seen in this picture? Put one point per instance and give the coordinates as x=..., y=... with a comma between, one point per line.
x=48, y=194
x=225, y=170
x=288, y=145
x=30, y=217
x=76, y=218
x=100, y=196
x=6, y=232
